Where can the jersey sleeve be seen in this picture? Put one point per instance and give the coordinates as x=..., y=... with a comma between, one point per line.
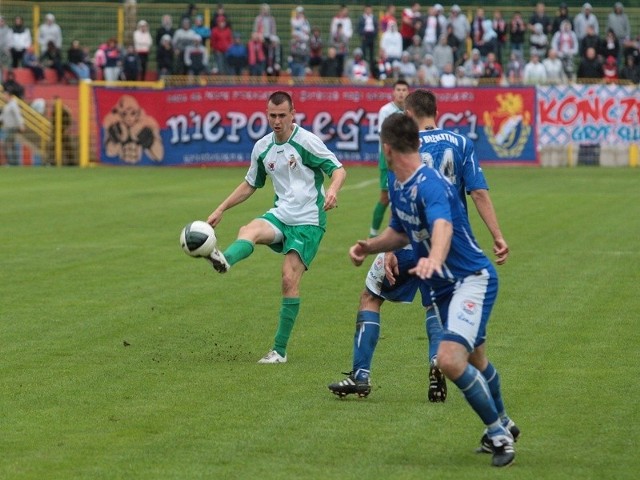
x=472, y=175
x=315, y=154
x=257, y=175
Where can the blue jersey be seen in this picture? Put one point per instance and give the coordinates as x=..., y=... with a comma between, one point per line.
x=416, y=204
x=454, y=157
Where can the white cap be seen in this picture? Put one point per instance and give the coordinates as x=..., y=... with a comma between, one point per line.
x=300, y=9
x=456, y=8
x=587, y=6
x=438, y=7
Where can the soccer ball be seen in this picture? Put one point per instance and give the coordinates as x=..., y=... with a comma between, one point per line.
x=198, y=239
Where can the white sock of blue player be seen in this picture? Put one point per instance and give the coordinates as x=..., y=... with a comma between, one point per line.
x=434, y=331
x=364, y=342
x=475, y=389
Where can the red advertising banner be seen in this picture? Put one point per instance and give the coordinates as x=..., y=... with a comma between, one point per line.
x=218, y=125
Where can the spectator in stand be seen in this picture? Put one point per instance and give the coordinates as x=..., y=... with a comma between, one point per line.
x=183, y=38
x=474, y=66
x=388, y=17
x=477, y=30
x=410, y=16
x=256, y=59
x=237, y=56
x=391, y=42
x=565, y=43
x=5, y=47
x=501, y=27
x=340, y=42
x=534, y=72
x=590, y=40
x=203, y=31
x=166, y=28
x=609, y=46
x=10, y=84
x=49, y=31
x=517, y=30
x=52, y=58
x=515, y=68
x=432, y=30
x=455, y=44
x=329, y=65
x=428, y=73
x=219, y=13
x=358, y=68
x=77, y=61
x=100, y=60
x=448, y=78
x=300, y=27
x=538, y=41
x=630, y=72
x=20, y=41
x=554, y=68
x=342, y=18
x=142, y=43
x=584, y=20
x=384, y=67
x=492, y=70
x=299, y=57
x=460, y=26
x=539, y=15
x=443, y=53
x=489, y=38
x=368, y=31
x=113, y=61
x=590, y=68
x=190, y=12
x=164, y=56
x=405, y=69
x=265, y=24
x=131, y=65
x=196, y=58
x=442, y=19
x=273, y=57
x=417, y=51
x=316, y=45
x=618, y=21
x=610, y=70
x=31, y=61
x=221, y=40
x=632, y=47
x=563, y=14
x=12, y=123
x=463, y=80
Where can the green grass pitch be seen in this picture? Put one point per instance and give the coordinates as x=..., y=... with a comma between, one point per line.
x=121, y=357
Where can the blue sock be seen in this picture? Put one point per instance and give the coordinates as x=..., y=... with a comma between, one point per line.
x=434, y=330
x=475, y=389
x=364, y=342
x=493, y=379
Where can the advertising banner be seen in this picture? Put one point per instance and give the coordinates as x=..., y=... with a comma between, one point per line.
x=589, y=114
x=219, y=125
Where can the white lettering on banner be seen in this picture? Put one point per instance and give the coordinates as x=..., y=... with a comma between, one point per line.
x=349, y=131
x=450, y=120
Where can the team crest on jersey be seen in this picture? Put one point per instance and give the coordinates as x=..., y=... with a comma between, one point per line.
x=292, y=162
x=413, y=193
x=271, y=166
x=469, y=307
x=508, y=127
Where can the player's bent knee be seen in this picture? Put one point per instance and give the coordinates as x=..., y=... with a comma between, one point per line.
x=370, y=302
x=452, y=358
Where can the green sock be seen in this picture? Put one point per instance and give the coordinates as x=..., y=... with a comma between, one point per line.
x=378, y=216
x=288, y=313
x=238, y=250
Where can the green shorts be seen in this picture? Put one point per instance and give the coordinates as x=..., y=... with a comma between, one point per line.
x=384, y=171
x=304, y=239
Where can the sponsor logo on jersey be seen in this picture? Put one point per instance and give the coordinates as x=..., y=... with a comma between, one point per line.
x=508, y=127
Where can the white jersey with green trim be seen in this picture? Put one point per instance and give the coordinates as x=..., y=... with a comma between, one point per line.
x=297, y=168
x=385, y=111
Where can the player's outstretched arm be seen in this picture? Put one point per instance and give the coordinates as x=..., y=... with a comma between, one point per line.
x=239, y=195
x=387, y=241
x=440, y=244
x=484, y=205
x=337, y=180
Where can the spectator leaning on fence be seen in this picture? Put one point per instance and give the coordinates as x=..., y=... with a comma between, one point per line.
x=49, y=31
x=142, y=43
x=164, y=56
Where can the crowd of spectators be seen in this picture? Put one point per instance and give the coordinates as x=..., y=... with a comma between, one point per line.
x=423, y=45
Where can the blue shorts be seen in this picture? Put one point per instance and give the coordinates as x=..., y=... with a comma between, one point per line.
x=406, y=286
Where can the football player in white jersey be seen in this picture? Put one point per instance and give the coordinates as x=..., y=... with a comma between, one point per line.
x=400, y=92
x=295, y=159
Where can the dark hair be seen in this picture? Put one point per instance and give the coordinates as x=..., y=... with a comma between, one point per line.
x=422, y=103
x=400, y=132
x=279, y=97
x=401, y=81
